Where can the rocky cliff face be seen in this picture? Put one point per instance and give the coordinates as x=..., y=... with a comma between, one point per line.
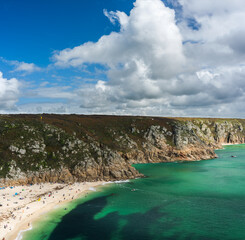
x=57, y=148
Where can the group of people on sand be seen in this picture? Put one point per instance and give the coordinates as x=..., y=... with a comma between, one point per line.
x=6, y=226
x=44, y=199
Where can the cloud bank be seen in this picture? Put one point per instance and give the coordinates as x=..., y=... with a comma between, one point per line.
x=156, y=63
x=161, y=63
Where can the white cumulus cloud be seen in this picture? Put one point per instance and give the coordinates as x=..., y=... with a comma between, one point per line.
x=9, y=91
x=148, y=36
x=157, y=64
x=26, y=67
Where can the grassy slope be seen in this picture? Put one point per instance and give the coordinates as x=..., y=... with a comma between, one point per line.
x=102, y=129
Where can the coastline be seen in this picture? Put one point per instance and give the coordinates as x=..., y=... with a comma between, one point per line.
x=228, y=144
x=23, y=217
x=19, y=211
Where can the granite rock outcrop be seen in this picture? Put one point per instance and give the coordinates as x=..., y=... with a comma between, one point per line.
x=69, y=148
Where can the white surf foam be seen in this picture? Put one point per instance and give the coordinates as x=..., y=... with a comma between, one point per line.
x=20, y=234
x=92, y=189
x=122, y=181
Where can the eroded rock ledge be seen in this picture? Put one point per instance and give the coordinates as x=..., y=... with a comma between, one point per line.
x=68, y=148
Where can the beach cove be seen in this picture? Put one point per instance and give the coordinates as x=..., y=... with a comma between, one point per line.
x=22, y=205
x=188, y=200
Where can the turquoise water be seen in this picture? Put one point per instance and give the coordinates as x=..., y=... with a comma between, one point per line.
x=194, y=200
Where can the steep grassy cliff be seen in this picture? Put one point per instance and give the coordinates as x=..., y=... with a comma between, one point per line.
x=67, y=148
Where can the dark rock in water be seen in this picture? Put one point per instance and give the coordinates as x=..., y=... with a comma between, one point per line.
x=70, y=148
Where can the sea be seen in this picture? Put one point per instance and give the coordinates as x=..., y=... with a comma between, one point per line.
x=202, y=200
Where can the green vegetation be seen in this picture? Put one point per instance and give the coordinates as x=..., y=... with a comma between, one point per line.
x=31, y=143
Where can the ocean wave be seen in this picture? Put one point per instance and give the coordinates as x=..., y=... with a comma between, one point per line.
x=121, y=181
x=20, y=234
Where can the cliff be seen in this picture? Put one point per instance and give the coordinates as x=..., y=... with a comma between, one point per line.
x=68, y=148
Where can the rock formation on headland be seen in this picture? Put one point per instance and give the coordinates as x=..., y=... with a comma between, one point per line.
x=68, y=148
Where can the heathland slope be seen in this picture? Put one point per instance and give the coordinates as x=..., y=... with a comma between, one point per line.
x=68, y=148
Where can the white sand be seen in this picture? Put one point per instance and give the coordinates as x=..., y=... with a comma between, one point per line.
x=18, y=211
x=227, y=144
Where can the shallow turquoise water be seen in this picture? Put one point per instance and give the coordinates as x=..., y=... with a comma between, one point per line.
x=195, y=200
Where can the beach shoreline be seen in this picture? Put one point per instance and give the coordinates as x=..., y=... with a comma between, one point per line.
x=23, y=205
x=30, y=209
x=228, y=144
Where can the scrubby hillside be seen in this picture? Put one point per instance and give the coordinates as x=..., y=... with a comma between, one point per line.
x=67, y=148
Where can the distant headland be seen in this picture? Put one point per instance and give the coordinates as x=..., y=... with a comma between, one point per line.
x=76, y=148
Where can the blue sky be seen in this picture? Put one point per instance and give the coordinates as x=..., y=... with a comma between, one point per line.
x=147, y=57
x=34, y=29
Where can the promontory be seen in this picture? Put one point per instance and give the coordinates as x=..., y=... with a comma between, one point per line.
x=75, y=148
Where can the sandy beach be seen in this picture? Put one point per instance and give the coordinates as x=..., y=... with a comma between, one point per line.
x=227, y=144
x=21, y=205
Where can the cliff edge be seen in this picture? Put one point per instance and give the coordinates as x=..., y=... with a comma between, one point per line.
x=68, y=148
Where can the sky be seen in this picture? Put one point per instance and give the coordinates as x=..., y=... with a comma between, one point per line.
x=123, y=57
